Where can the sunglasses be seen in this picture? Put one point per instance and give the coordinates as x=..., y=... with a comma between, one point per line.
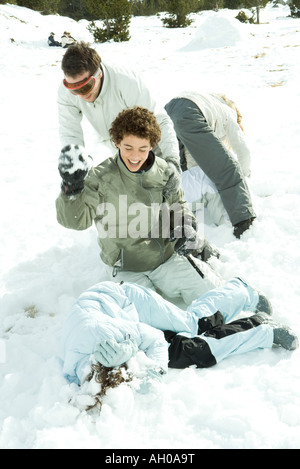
x=82, y=87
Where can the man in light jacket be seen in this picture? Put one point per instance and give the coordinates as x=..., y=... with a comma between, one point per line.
x=99, y=92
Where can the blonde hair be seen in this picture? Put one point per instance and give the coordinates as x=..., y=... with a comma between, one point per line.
x=108, y=378
x=232, y=105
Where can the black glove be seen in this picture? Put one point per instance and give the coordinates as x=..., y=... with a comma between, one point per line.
x=207, y=251
x=191, y=242
x=73, y=166
x=242, y=226
x=187, y=240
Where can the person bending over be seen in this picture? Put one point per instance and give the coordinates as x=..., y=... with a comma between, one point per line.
x=208, y=127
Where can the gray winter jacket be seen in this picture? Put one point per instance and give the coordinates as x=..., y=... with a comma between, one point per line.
x=195, y=133
x=222, y=120
x=133, y=231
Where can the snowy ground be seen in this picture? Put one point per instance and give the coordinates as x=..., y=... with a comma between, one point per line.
x=250, y=401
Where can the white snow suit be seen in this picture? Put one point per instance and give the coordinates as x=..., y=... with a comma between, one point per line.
x=197, y=336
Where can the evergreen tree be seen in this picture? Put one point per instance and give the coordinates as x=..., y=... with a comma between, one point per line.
x=212, y=4
x=255, y=5
x=116, y=16
x=232, y=4
x=148, y=7
x=75, y=9
x=44, y=6
x=178, y=11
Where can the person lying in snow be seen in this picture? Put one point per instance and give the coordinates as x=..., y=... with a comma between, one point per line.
x=143, y=228
x=208, y=127
x=109, y=323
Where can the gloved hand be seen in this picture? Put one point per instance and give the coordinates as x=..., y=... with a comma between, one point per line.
x=73, y=166
x=188, y=240
x=148, y=383
x=207, y=251
x=111, y=353
x=242, y=226
x=173, y=171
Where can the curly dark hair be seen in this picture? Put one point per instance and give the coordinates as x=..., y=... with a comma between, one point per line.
x=137, y=121
x=80, y=58
x=108, y=378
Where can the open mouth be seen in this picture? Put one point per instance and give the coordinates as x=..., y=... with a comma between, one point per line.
x=134, y=163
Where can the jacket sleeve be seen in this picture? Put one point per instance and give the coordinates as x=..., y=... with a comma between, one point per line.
x=78, y=212
x=183, y=215
x=239, y=146
x=154, y=345
x=70, y=117
x=168, y=145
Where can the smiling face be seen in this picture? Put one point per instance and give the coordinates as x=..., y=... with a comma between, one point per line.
x=134, y=152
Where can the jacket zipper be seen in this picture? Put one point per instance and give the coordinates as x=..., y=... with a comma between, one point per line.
x=151, y=200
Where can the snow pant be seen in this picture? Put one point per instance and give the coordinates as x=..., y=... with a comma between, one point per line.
x=212, y=156
x=218, y=339
x=175, y=278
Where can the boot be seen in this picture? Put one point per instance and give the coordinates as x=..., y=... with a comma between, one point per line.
x=283, y=335
x=263, y=305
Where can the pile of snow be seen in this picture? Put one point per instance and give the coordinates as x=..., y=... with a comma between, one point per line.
x=247, y=401
x=24, y=26
x=217, y=30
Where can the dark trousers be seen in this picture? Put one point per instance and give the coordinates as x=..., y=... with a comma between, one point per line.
x=186, y=351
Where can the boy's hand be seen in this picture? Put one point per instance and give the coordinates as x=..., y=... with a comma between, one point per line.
x=73, y=166
x=188, y=240
x=191, y=242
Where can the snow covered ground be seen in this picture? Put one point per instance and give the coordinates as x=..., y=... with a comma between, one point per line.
x=249, y=401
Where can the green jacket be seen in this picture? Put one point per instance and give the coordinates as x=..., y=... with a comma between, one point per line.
x=126, y=207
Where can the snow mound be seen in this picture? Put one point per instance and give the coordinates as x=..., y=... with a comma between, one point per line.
x=217, y=30
x=26, y=27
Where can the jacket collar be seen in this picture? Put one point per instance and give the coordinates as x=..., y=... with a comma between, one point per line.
x=123, y=168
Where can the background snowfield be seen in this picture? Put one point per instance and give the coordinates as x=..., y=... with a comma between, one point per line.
x=248, y=401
